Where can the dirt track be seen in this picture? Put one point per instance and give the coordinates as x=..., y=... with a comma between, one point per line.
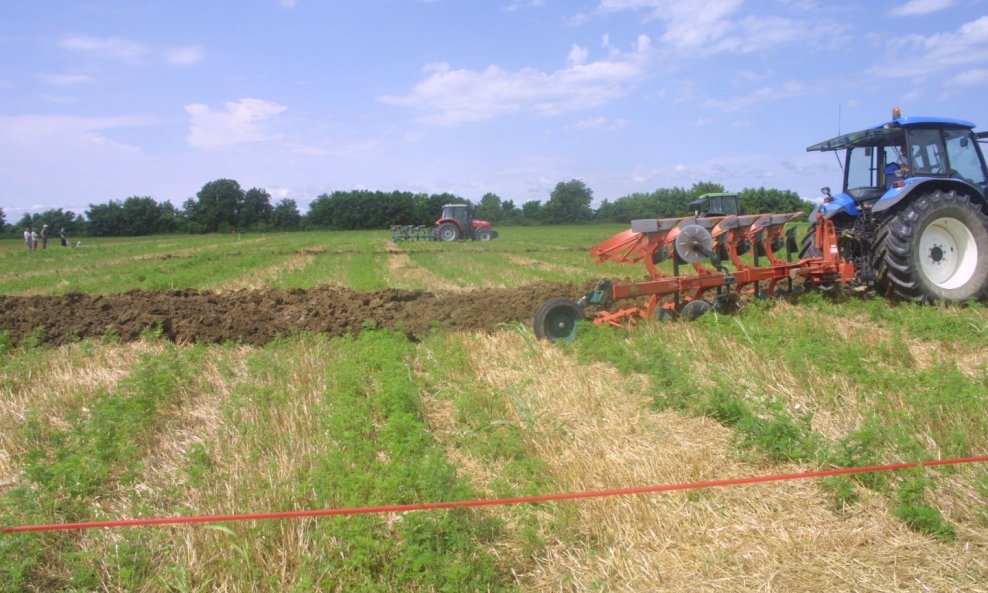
x=257, y=316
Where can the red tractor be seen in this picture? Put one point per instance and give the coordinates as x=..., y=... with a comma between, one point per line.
x=457, y=222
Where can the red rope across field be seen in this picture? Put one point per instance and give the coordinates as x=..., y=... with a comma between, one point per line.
x=429, y=506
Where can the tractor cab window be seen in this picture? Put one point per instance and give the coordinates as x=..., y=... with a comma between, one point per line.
x=723, y=205
x=457, y=212
x=965, y=161
x=862, y=173
x=926, y=153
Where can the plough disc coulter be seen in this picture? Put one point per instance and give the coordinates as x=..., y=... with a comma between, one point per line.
x=707, y=269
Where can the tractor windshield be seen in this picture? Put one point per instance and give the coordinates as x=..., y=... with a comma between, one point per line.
x=872, y=168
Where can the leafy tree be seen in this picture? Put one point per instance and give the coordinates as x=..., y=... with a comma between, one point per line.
x=139, y=216
x=532, y=210
x=217, y=207
x=285, y=215
x=26, y=221
x=662, y=203
x=362, y=209
x=569, y=203
x=58, y=219
x=106, y=220
x=171, y=219
x=758, y=200
x=490, y=208
x=3, y=219
x=256, y=208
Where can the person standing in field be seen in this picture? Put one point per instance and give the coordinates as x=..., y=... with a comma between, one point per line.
x=27, y=238
x=34, y=240
x=63, y=237
x=44, y=236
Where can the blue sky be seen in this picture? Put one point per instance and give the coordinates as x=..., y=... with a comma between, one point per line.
x=103, y=100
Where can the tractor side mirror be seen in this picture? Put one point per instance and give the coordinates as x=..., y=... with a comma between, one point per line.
x=825, y=191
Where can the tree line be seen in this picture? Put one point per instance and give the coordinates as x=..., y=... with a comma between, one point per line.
x=223, y=206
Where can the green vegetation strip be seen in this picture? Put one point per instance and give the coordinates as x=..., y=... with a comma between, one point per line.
x=910, y=411
x=69, y=469
x=306, y=422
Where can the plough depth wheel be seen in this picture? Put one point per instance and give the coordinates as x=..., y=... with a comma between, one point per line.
x=694, y=309
x=557, y=319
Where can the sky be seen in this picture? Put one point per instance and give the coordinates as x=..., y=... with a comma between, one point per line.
x=102, y=100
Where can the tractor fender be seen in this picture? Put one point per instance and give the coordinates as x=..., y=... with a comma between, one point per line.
x=840, y=203
x=452, y=220
x=923, y=185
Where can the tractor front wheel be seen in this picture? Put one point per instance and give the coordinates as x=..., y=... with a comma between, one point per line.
x=557, y=319
x=483, y=234
x=936, y=248
x=448, y=232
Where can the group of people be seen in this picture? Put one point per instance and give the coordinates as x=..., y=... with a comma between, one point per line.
x=31, y=238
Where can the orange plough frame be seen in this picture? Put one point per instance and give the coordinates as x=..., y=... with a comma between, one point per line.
x=723, y=238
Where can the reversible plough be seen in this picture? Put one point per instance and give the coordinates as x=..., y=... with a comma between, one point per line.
x=708, y=271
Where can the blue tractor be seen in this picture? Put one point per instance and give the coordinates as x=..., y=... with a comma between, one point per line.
x=913, y=216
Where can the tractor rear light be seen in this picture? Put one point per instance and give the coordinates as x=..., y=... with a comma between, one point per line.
x=899, y=185
x=828, y=199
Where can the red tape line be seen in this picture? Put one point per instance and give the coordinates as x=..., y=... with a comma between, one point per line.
x=430, y=506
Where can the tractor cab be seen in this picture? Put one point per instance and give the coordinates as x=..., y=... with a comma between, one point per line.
x=884, y=163
x=457, y=212
x=718, y=204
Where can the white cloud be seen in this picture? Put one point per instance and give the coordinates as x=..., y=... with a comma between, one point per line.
x=287, y=3
x=715, y=25
x=600, y=123
x=788, y=90
x=577, y=55
x=921, y=7
x=974, y=77
x=517, y=5
x=182, y=56
x=44, y=129
x=105, y=48
x=916, y=56
x=457, y=96
x=238, y=123
x=66, y=79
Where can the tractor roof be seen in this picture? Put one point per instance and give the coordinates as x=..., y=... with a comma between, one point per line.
x=887, y=132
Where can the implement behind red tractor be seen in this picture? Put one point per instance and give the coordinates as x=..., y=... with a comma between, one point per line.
x=456, y=222
x=911, y=223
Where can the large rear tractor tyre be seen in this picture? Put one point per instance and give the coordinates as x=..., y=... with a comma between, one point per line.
x=934, y=249
x=448, y=232
x=557, y=319
x=483, y=234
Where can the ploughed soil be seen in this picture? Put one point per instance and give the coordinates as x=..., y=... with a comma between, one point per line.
x=258, y=316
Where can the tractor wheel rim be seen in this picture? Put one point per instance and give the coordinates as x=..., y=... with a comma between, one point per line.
x=948, y=253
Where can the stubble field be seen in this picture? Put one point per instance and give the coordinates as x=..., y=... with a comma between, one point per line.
x=182, y=375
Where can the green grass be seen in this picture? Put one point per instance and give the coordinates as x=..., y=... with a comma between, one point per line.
x=354, y=259
x=910, y=411
x=67, y=468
